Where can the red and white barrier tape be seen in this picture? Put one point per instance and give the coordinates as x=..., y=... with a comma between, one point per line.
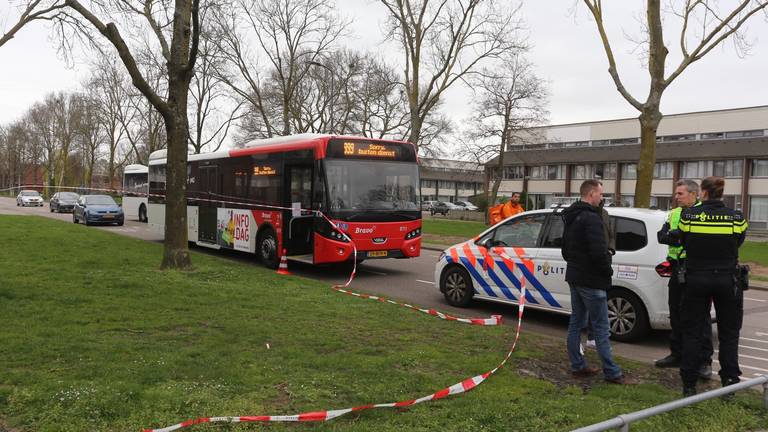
x=458, y=388
x=319, y=416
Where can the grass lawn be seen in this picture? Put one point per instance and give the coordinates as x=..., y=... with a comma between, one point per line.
x=448, y=232
x=94, y=337
x=756, y=252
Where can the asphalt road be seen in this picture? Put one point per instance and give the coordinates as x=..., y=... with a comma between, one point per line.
x=411, y=280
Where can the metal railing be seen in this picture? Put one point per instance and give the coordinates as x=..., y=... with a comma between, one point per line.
x=623, y=421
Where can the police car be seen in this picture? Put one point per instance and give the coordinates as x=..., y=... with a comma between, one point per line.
x=525, y=249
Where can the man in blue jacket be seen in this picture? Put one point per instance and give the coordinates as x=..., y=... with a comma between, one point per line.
x=585, y=249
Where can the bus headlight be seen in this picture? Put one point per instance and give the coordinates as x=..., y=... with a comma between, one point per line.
x=413, y=234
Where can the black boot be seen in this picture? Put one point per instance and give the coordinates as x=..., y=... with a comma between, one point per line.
x=705, y=372
x=726, y=382
x=670, y=361
x=689, y=391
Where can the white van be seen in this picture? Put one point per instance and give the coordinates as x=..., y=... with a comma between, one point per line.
x=526, y=247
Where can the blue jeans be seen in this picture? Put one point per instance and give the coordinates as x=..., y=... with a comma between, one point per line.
x=592, y=303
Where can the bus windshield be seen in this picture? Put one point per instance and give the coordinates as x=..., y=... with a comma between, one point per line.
x=357, y=187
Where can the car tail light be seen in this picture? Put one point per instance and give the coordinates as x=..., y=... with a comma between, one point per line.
x=664, y=269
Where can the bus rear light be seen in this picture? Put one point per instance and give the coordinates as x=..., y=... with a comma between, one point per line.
x=664, y=269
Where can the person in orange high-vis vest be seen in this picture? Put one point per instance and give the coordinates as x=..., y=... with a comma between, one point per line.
x=502, y=211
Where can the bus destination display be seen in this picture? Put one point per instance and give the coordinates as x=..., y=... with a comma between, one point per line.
x=371, y=150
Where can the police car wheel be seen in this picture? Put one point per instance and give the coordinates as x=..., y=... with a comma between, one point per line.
x=456, y=286
x=627, y=317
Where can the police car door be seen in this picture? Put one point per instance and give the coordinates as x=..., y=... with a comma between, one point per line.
x=549, y=271
x=511, y=253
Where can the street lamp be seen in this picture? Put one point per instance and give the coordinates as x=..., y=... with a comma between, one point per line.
x=331, y=94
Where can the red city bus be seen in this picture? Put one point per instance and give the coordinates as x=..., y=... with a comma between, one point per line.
x=263, y=198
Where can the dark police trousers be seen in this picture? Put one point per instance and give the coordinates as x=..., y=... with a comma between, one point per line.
x=700, y=288
x=676, y=335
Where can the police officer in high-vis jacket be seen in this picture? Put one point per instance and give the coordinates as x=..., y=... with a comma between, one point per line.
x=711, y=235
x=686, y=195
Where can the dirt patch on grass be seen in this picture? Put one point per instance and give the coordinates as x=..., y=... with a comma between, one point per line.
x=553, y=366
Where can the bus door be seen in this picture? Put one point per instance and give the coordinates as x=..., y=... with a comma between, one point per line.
x=297, y=228
x=208, y=187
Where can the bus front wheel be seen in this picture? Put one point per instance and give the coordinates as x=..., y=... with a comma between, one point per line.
x=267, y=248
x=143, y=213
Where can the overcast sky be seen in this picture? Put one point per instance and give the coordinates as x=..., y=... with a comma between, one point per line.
x=566, y=51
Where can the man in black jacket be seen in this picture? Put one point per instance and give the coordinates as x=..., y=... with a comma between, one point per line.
x=585, y=249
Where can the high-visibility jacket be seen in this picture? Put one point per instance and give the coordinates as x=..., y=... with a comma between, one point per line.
x=712, y=234
x=676, y=252
x=502, y=211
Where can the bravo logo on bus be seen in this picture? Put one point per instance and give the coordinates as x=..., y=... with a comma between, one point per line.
x=233, y=229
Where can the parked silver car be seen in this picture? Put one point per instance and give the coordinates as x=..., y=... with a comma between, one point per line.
x=29, y=198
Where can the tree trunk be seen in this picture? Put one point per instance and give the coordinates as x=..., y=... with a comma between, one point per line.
x=413, y=137
x=649, y=123
x=176, y=251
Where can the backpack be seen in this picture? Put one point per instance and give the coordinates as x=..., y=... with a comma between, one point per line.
x=494, y=214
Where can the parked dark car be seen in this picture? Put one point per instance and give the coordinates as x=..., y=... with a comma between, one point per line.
x=63, y=202
x=98, y=209
x=439, y=207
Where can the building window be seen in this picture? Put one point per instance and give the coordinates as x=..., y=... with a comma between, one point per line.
x=577, y=144
x=713, y=135
x=695, y=169
x=744, y=134
x=428, y=183
x=758, y=212
x=446, y=184
x=663, y=170
x=598, y=143
x=579, y=172
x=513, y=172
x=624, y=141
x=727, y=168
x=628, y=171
x=605, y=171
x=673, y=138
x=732, y=201
x=555, y=172
x=760, y=168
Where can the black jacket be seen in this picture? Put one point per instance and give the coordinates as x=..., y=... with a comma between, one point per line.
x=585, y=247
x=711, y=234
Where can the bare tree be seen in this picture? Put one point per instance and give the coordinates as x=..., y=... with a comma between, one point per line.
x=33, y=10
x=444, y=41
x=211, y=118
x=63, y=108
x=40, y=120
x=109, y=86
x=510, y=100
x=290, y=36
x=704, y=25
x=90, y=133
x=177, y=32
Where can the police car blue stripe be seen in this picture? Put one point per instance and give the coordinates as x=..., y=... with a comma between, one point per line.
x=540, y=288
x=508, y=272
x=477, y=277
x=499, y=283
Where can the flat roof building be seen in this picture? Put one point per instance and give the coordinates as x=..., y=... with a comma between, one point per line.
x=731, y=143
x=450, y=180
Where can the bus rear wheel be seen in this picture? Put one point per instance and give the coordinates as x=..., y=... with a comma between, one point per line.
x=143, y=213
x=267, y=248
